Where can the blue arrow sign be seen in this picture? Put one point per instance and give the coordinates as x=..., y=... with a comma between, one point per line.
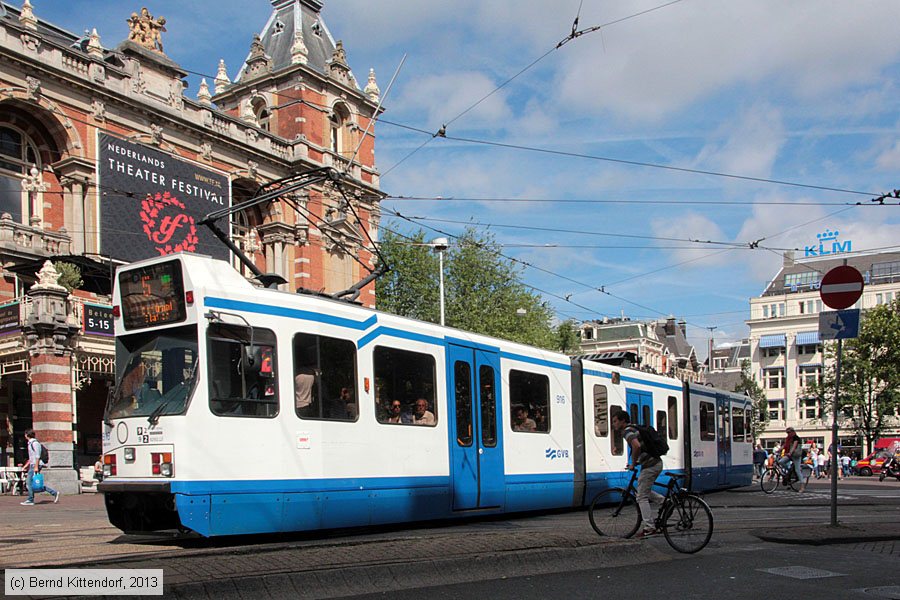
x=839, y=324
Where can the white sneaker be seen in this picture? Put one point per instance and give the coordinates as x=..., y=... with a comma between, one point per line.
x=27, y=503
x=56, y=497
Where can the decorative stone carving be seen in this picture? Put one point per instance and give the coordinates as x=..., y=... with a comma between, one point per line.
x=372, y=90
x=48, y=278
x=98, y=110
x=338, y=66
x=176, y=94
x=34, y=87
x=221, y=81
x=31, y=42
x=252, y=135
x=147, y=31
x=203, y=95
x=156, y=134
x=252, y=169
x=26, y=16
x=138, y=85
x=258, y=62
x=94, y=48
x=299, y=51
x=206, y=151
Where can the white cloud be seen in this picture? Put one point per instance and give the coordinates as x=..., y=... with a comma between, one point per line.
x=889, y=159
x=750, y=144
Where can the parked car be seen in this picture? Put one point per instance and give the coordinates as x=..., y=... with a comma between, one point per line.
x=872, y=463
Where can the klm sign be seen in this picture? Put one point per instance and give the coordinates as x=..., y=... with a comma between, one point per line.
x=828, y=244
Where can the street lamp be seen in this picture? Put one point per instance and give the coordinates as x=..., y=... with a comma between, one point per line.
x=439, y=245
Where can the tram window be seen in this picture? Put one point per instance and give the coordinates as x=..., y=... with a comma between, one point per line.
x=325, y=378
x=242, y=371
x=661, y=426
x=646, y=416
x=737, y=427
x=616, y=441
x=633, y=413
x=405, y=378
x=707, y=421
x=462, y=376
x=748, y=431
x=488, y=402
x=601, y=411
x=529, y=394
x=673, y=418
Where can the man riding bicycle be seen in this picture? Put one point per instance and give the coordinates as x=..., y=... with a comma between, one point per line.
x=651, y=467
x=793, y=452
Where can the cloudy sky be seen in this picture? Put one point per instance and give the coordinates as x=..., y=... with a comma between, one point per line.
x=587, y=164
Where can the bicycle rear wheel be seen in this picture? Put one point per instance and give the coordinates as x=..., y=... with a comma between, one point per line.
x=769, y=481
x=688, y=523
x=615, y=513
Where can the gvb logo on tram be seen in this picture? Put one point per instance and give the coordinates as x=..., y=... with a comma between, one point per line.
x=554, y=453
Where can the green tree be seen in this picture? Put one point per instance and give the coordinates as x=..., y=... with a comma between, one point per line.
x=69, y=275
x=567, y=337
x=759, y=418
x=410, y=288
x=870, y=376
x=482, y=289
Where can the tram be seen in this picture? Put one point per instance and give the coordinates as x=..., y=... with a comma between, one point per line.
x=248, y=410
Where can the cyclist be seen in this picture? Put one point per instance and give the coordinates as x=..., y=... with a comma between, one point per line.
x=651, y=467
x=793, y=452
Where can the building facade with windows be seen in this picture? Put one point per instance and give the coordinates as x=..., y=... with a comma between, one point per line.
x=661, y=346
x=786, y=352
x=105, y=158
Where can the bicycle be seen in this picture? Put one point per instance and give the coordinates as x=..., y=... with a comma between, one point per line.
x=684, y=518
x=778, y=474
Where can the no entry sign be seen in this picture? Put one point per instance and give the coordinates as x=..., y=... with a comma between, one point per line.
x=841, y=287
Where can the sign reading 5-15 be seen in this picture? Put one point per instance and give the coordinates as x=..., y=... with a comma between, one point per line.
x=97, y=320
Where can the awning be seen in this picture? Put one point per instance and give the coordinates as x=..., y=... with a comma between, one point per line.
x=807, y=338
x=773, y=341
x=812, y=364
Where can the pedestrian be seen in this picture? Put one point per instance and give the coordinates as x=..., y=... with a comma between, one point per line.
x=820, y=466
x=845, y=465
x=34, y=466
x=759, y=460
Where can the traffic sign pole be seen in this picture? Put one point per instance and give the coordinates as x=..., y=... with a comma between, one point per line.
x=841, y=288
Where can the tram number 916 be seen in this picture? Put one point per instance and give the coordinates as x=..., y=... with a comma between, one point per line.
x=143, y=435
x=560, y=399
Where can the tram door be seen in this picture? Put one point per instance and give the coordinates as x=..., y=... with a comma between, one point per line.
x=476, y=440
x=723, y=424
x=640, y=409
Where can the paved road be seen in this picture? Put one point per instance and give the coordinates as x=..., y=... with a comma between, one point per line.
x=75, y=533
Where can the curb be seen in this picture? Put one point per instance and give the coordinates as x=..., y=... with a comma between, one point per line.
x=782, y=536
x=348, y=580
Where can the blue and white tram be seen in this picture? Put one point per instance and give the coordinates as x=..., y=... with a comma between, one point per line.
x=244, y=410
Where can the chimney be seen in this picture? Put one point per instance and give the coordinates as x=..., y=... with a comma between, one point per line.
x=682, y=325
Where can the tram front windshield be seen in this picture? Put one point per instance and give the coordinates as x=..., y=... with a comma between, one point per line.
x=158, y=373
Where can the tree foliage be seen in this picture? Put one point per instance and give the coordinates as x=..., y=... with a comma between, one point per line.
x=69, y=275
x=482, y=289
x=870, y=375
x=567, y=340
x=759, y=418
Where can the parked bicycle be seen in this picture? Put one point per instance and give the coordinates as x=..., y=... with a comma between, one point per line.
x=684, y=518
x=779, y=474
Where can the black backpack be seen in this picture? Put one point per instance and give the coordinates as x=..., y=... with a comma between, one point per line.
x=651, y=442
x=45, y=455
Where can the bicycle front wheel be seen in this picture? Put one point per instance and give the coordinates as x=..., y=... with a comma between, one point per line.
x=688, y=523
x=615, y=513
x=769, y=481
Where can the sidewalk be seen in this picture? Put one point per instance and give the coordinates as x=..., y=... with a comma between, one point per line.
x=820, y=535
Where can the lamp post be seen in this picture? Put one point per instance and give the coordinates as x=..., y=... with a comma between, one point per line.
x=439, y=245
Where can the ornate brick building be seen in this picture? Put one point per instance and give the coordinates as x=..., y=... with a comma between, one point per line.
x=104, y=159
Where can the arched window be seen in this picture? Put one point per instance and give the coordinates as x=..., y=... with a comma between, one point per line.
x=340, y=116
x=261, y=112
x=18, y=153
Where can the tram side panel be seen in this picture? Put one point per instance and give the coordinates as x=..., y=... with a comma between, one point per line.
x=605, y=453
x=539, y=452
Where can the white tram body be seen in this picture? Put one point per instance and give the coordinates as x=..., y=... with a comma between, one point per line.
x=243, y=410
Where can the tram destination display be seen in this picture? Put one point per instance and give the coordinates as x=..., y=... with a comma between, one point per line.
x=151, y=202
x=152, y=295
